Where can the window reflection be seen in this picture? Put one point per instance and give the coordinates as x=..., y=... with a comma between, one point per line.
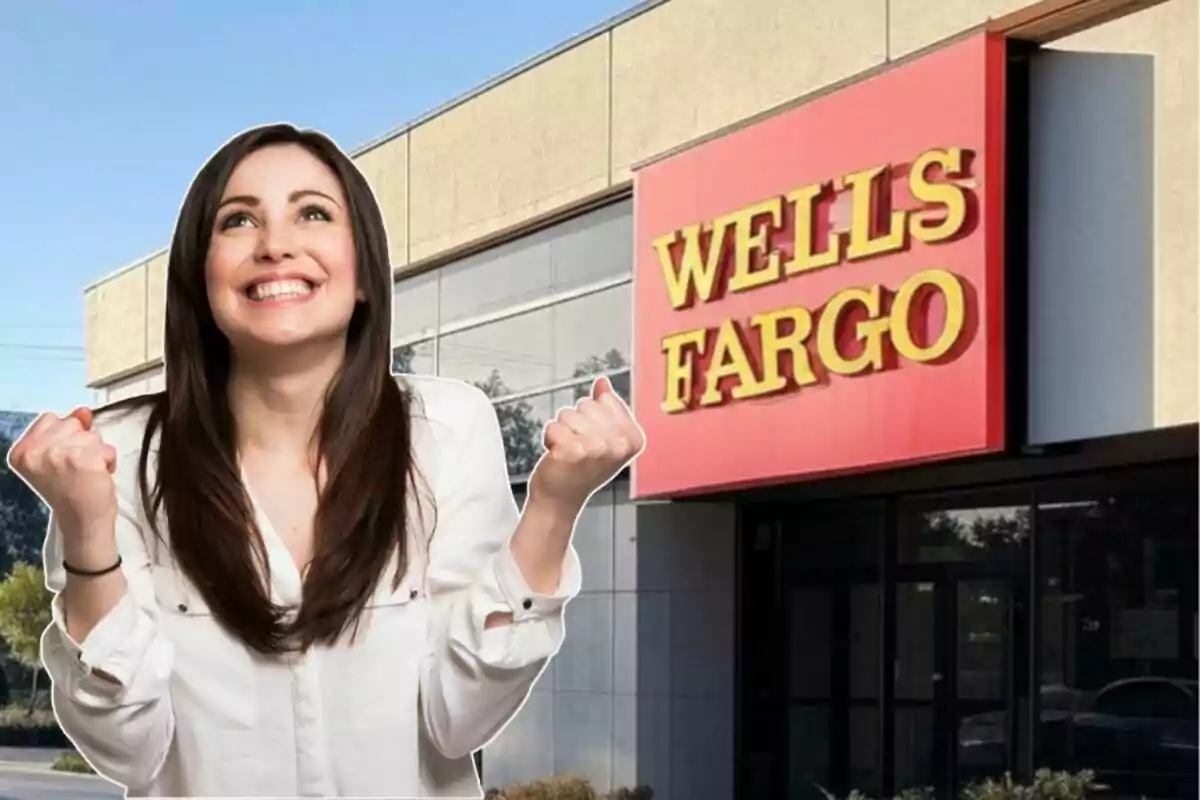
x=1118, y=679
x=976, y=534
x=584, y=250
x=547, y=346
x=522, y=421
x=413, y=359
x=414, y=306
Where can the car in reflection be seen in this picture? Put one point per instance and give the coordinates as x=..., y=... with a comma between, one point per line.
x=1138, y=734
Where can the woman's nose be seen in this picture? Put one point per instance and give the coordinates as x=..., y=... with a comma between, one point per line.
x=274, y=244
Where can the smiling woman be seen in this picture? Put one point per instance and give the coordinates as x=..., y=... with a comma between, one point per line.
x=291, y=573
x=263, y=222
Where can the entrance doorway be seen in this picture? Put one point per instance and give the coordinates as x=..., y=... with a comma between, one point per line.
x=931, y=641
x=954, y=694
x=959, y=622
x=833, y=684
x=903, y=633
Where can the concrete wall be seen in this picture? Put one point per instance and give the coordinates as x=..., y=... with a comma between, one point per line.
x=150, y=380
x=642, y=691
x=651, y=82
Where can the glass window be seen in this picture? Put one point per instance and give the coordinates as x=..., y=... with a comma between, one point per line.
x=1149, y=698
x=543, y=347
x=584, y=250
x=522, y=421
x=414, y=306
x=819, y=538
x=414, y=359
x=966, y=534
x=1118, y=646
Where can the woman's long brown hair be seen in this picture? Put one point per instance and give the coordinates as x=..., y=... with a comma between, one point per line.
x=363, y=437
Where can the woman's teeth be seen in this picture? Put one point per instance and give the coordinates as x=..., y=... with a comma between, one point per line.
x=279, y=290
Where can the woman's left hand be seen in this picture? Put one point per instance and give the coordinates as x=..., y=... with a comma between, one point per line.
x=586, y=446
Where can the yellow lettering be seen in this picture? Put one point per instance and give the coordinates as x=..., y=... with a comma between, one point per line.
x=695, y=277
x=749, y=239
x=804, y=255
x=775, y=343
x=931, y=225
x=952, y=292
x=866, y=189
x=729, y=361
x=869, y=332
x=681, y=350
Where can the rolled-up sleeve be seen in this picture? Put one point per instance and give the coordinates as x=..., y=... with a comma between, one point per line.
x=474, y=679
x=111, y=691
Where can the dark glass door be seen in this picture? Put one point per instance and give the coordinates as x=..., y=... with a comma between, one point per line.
x=953, y=702
x=832, y=645
x=959, y=622
x=833, y=686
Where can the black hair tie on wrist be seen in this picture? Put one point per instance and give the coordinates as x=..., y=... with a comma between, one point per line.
x=91, y=573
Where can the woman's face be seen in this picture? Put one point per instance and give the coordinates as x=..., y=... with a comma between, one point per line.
x=281, y=262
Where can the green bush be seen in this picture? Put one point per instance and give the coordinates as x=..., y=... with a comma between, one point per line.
x=72, y=762
x=565, y=788
x=20, y=727
x=1047, y=785
x=19, y=716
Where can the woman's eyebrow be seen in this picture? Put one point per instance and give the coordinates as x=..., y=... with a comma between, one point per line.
x=252, y=201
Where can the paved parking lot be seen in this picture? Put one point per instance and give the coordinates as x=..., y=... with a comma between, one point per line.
x=25, y=775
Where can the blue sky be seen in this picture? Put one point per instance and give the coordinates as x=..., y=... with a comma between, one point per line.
x=108, y=109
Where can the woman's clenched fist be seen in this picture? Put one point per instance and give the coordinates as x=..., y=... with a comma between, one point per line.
x=586, y=446
x=70, y=467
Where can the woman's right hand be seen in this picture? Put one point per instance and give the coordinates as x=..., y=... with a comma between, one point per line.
x=71, y=468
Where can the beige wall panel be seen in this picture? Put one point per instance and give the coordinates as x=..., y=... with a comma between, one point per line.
x=690, y=67
x=1167, y=32
x=116, y=324
x=526, y=147
x=919, y=23
x=126, y=388
x=93, y=350
x=156, y=294
x=386, y=168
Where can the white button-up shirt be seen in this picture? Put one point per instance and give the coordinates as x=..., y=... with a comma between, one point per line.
x=396, y=714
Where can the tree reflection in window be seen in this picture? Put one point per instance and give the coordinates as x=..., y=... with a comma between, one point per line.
x=402, y=359
x=521, y=424
x=969, y=534
x=520, y=427
x=595, y=365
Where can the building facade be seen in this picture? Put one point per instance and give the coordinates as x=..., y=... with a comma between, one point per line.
x=895, y=576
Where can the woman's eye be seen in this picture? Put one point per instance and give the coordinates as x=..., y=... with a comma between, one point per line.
x=315, y=213
x=235, y=220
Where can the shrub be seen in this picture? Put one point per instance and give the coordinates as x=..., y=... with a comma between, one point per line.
x=636, y=793
x=72, y=762
x=565, y=788
x=20, y=727
x=1047, y=785
x=19, y=716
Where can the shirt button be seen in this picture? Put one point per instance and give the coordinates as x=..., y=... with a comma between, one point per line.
x=527, y=604
x=183, y=608
x=413, y=594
